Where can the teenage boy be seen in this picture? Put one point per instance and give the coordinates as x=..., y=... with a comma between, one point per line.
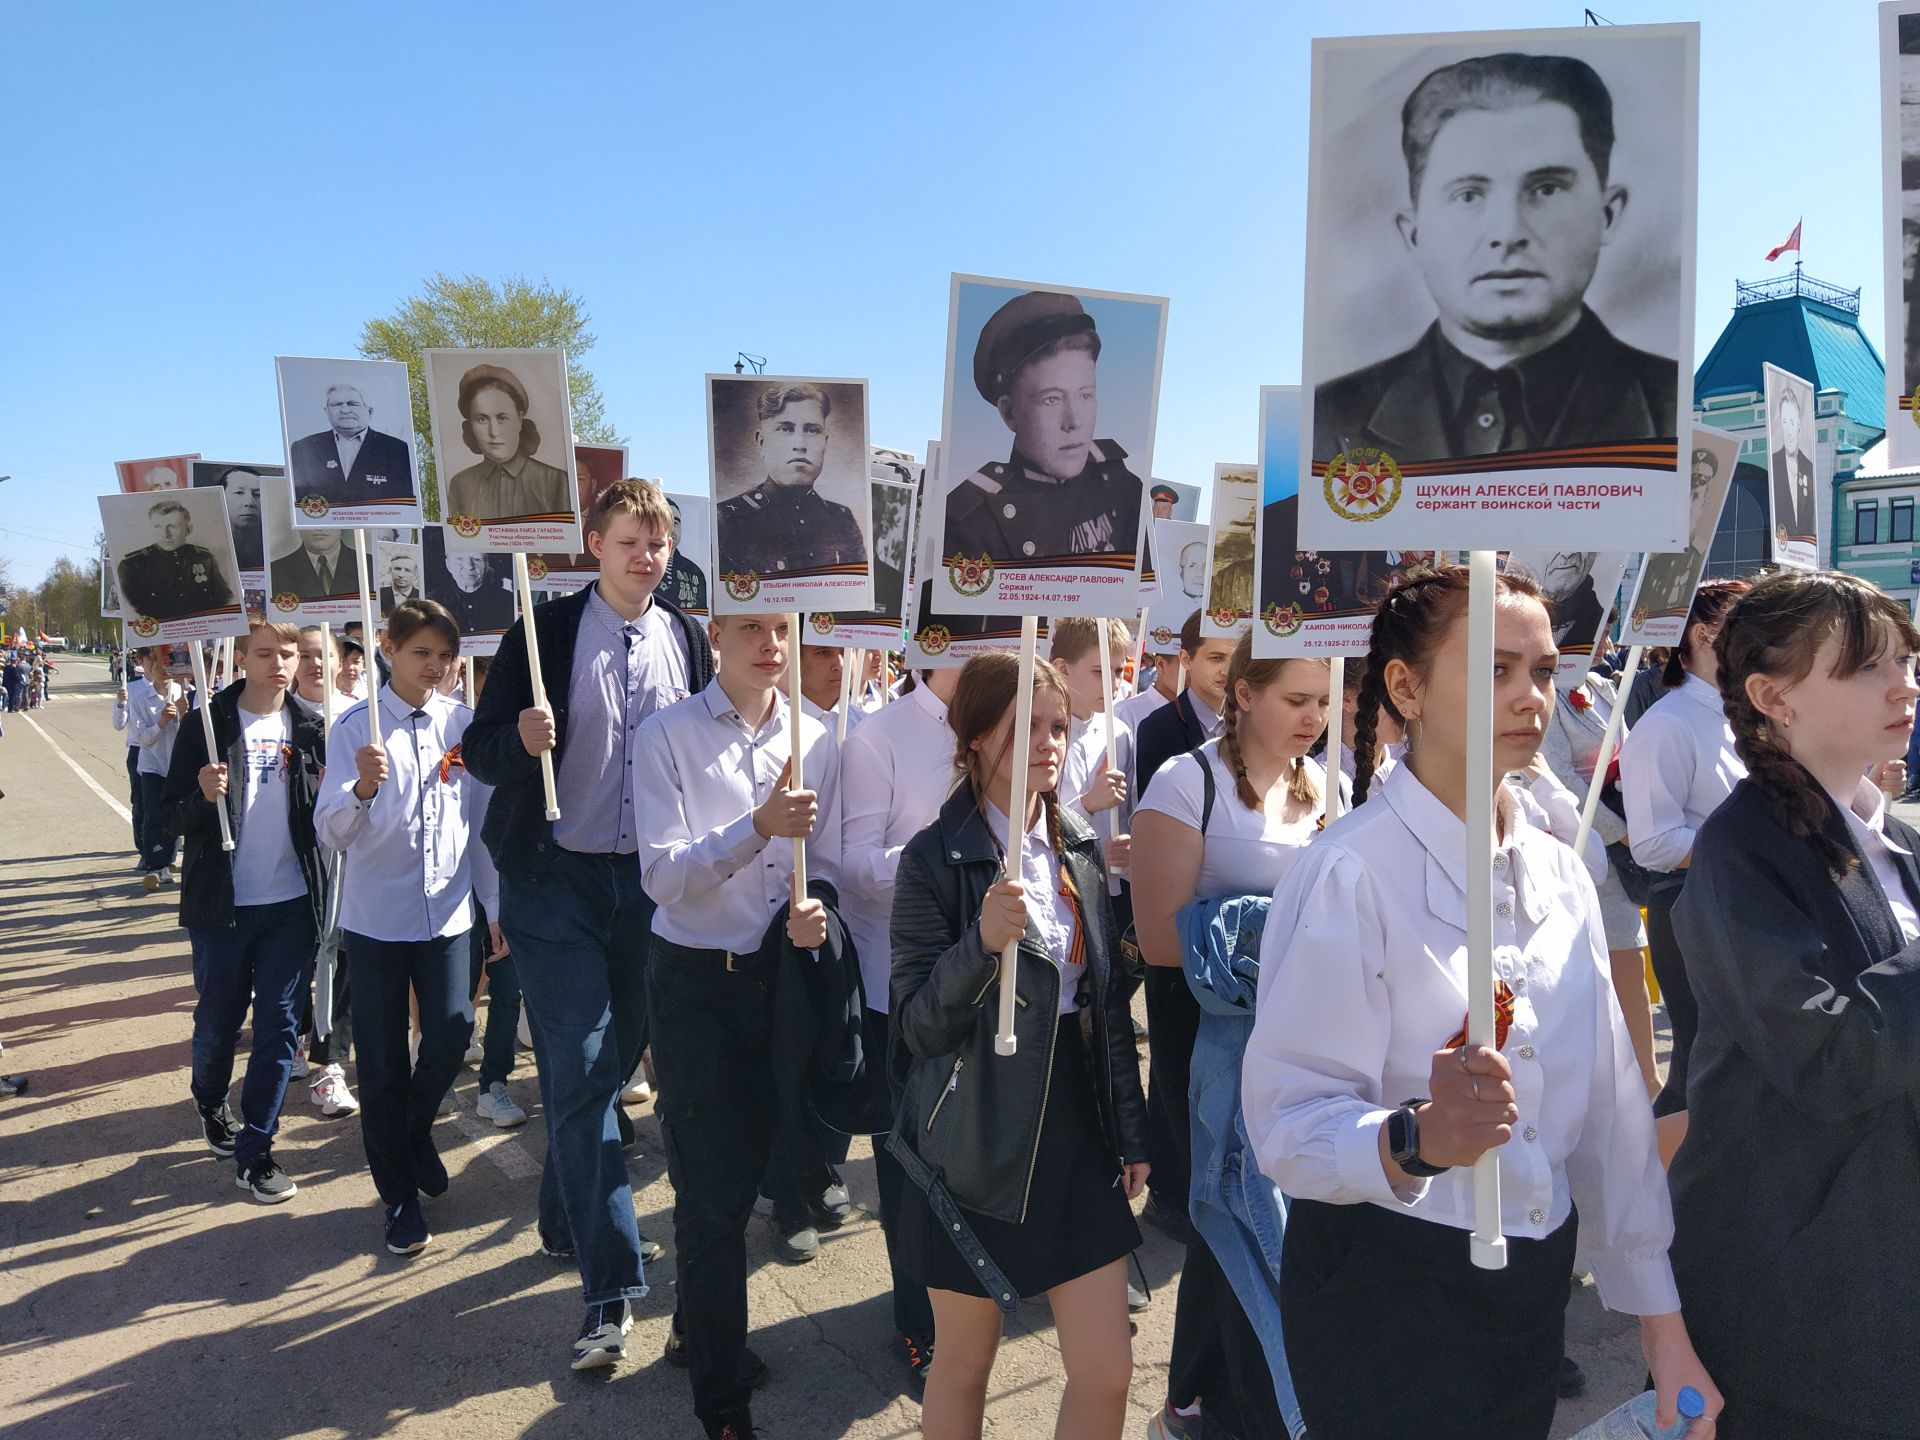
x=251, y=914
x=154, y=711
x=717, y=856
x=1086, y=784
x=823, y=678
x=571, y=904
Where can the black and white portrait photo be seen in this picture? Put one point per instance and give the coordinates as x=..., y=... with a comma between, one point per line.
x=686, y=583
x=1051, y=398
x=1900, y=217
x=1183, y=584
x=322, y=565
x=791, y=517
x=891, y=504
x=1657, y=613
x=502, y=449
x=172, y=554
x=246, y=515
x=476, y=587
x=1580, y=587
x=346, y=425
x=1499, y=282
x=1796, y=496
x=398, y=575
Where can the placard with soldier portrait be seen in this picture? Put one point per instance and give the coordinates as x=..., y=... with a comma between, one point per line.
x=348, y=429
x=1499, y=298
x=1228, y=613
x=172, y=556
x=1167, y=500
x=595, y=467
x=503, y=450
x=1900, y=222
x=792, y=518
x=878, y=627
x=313, y=574
x=476, y=586
x=688, y=583
x=109, y=590
x=399, y=574
x=1051, y=399
x=1183, y=580
x=1663, y=593
x=1580, y=586
x=1793, y=488
x=1309, y=602
x=937, y=638
x=246, y=511
x=167, y=472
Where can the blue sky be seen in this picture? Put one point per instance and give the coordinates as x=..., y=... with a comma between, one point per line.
x=190, y=189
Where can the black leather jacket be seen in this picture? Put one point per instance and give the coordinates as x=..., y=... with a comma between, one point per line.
x=971, y=1115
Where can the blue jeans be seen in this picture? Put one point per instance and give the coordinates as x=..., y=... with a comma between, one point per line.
x=262, y=961
x=400, y=1098
x=503, y=1004
x=579, y=934
x=156, y=845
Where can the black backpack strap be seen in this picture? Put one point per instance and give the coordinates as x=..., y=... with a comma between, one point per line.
x=1207, y=788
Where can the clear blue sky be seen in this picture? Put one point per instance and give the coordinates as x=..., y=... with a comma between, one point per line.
x=189, y=189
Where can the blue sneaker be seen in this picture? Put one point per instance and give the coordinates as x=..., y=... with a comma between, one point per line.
x=406, y=1228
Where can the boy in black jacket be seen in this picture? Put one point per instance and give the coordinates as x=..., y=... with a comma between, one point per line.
x=251, y=915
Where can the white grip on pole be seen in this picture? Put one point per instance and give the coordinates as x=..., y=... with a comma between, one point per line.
x=205, y=708
x=796, y=774
x=372, y=672
x=1616, y=722
x=524, y=587
x=1336, y=704
x=1004, y=1040
x=1489, y=1246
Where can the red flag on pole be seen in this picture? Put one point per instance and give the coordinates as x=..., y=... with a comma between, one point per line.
x=1792, y=242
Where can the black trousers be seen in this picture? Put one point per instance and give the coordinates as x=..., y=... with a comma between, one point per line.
x=1392, y=1331
x=806, y=1159
x=136, y=804
x=1217, y=1356
x=1173, y=1019
x=912, y=1310
x=1670, y=969
x=712, y=1049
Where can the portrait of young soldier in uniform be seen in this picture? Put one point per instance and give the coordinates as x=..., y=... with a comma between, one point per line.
x=242, y=486
x=1669, y=580
x=783, y=524
x=170, y=576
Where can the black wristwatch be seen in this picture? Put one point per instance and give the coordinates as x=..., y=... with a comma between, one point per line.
x=1403, y=1141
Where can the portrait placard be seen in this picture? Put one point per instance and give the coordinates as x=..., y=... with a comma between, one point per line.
x=503, y=451
x=940, y=639
x=399, y=571
x=1900, y=223
x=348, y=430
x=168, y=472
x=313, y=575
x=1168, y=500
x=792, y=528
x=595, y=467
x=109, y=590
x=476, y=587
x=1228, y=613
x=1183, y=584
x=878, y=628
x=1051, y=399
x=1499, y=298
x=687, y=581
x=1309, y=602
x=172, y=556
x=1793, y=489
x=1581, y=586
x=246, y=509
x=1657, y=614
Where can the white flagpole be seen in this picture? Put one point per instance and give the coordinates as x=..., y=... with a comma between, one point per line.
x=1336, y=704
x=1004, y=1040
x=1615, y=723
x=1139, y=648
x=206, y=726
x=1489, y=1246
x=524, y=587
x=850, y=667
x=328, y=669
x=1113, y=755
x=796, y=777
x=467, y=679
x=367, y=641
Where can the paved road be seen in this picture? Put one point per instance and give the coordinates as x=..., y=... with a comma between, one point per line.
x=142, y=1294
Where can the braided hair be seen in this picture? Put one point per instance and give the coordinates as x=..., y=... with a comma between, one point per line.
x=1258, y=674
x=1409, y=626
x=1776, y=629
x=1709, y=606
x=989, y=685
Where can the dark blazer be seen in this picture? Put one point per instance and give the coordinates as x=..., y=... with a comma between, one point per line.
x=1400, y=404
x=1799, y=520
x=1169, y=731
x=517, y=832
x=206, y=885
x=1576, y=619
x=295, y=572
x=1796, y=1255
x=945, y=1005
x=381, y=456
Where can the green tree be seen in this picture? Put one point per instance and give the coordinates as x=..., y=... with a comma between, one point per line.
x=468, y=312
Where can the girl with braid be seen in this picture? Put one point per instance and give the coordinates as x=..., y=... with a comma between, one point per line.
x=1677, y=765
x=1363, y=1110
x=1800, y=919
x=1266, y=807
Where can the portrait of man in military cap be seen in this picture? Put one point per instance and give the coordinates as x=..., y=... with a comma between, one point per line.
x=345, y=424
x=1668, y=580
x=164, y=572
x=242, y=486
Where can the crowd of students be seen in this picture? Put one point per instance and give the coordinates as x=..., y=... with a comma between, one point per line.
x=1302, y=981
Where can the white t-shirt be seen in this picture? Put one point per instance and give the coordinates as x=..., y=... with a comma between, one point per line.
x=265, y=871
x=1247, y=851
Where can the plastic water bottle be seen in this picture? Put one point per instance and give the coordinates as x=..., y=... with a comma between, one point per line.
x=1634, y=1420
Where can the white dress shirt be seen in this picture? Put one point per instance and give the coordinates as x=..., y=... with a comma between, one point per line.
x=1131, y=712
x=1549, y=806
x=1363, y=977
x=1866, y=817
x=155, y=740
x=1086, y=760
x=830, y=716
x=1677, y=766
x=348, y=449
x=1050, y=910
x=410, y=850
x=702, y=771
x=895, y=774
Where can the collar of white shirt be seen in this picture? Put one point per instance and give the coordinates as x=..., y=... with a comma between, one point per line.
x=1443, y=835
x=1703, y=692
x=1866, y=815
x=720, y=706
x=924, y=697
x=398, y=711
x=997, y=827
x=1209, y=720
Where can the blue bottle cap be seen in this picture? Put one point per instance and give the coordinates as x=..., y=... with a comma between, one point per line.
x=1691, y=1403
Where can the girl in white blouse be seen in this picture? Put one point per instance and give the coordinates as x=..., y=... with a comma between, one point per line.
x=1266, y=807
x=1364, y=1111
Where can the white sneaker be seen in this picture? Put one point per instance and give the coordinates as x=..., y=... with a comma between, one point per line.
x=301, y=1068
x=638, y=1093
x=328, y=1090
x=448, y=1104
x=166, y=875
x=475, y=1054
x=497, y=1105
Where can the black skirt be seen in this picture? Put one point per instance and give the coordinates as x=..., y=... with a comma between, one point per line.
x=1444, y=1350
x=1077, y=1220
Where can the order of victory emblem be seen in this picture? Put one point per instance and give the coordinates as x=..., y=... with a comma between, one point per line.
x=1363, y=484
